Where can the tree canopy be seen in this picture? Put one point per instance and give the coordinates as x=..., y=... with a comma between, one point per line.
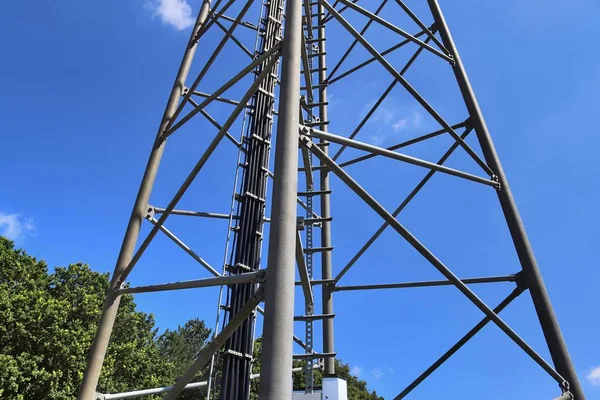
x=48, y=321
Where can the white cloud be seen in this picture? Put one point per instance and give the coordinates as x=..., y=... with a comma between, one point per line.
x=594, y=376
x=392, y=121
x=400, y=125
x=14, y=227
x=356, y=370
x=177, y=13
x=377, y=373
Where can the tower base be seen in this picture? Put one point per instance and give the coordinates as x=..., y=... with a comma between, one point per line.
x=334, y=388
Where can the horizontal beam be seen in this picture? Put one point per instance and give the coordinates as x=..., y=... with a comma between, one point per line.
x=317, y=282
x=197, y=214
x=258, y=276
x=397, y=156
x=400, y=145
x=309, y=356
x=313, y=317
x=159, y=390
x=196, y=170
x=429, y=256
x=404, y=285
x=183, y=246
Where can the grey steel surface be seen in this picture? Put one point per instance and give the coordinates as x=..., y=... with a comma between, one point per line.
x=276, y=360
x=532, y=276
x=109, y=313
x=305, y=55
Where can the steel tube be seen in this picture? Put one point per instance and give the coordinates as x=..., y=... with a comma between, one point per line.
x=199, y=165
x=380, y=100
x=398, y=156
x=303, y=272
x=399, y=209
x=370, y=60
x=401, y=145
x=326, y=257
x=429, y=256
x=393, y=28
x=278, y=327
x=513, y=295
x=532, y=276
x=205, y=355
x=185, y=248
x=147, y=392
x=210, y=61
x=434, y=114
x=354, y=43
x=196, y=213
x=404, y=285
x=97, y=352
x=245, y=71
x=197, y=283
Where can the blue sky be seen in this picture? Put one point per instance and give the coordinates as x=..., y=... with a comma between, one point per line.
x=83, y=85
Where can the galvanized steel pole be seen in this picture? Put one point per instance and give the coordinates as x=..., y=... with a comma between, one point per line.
x=326, y=268
x=531, y=273
x=99, y=346
x=276, y=374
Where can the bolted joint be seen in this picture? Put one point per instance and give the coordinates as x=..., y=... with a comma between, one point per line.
x=497, y=185
x=309, y=308
x=150, y=212
x=566, y=395
x=261, y=276
x=184, y=91
x=452, y=60
x=300, y=223
x=521, y=282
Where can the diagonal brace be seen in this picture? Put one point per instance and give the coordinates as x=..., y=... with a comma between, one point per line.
x=303, y=271
x=429, y=256
x=255, y=63
x=397, y=156
x=399, y=209
x=513, y=295
x=205, y=355
x=407, y=86
x=391, y=27
x=194, y=172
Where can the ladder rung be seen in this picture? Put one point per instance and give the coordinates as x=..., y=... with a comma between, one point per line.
x=313, y=317
x=316, y=104
x=314, y=193
x=316, y=123
x=318, y=249
x=315, y=86
x=309, y=221
x=313, y=356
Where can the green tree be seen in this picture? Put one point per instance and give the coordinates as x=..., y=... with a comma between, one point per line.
x=48, y=323
x=179, y=348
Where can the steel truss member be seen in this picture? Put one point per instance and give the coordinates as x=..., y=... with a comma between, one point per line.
x=279, y=92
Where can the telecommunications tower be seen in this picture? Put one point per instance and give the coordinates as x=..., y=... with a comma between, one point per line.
x=263, y=68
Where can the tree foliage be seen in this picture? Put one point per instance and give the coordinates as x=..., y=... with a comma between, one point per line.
x=47, y=326
x=48, y=322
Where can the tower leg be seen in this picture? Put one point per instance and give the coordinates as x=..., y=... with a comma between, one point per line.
x=532, y=277
x=107, y=319
x=276, y=374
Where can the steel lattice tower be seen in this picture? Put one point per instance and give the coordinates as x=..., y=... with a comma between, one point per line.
x=281, y=86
